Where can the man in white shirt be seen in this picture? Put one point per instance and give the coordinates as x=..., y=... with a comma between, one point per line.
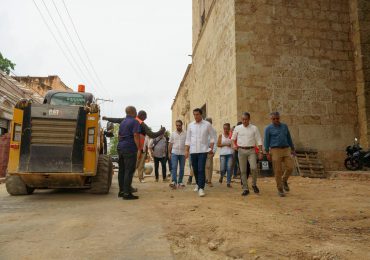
x=248, y=137
x=209, y=162
x=176, y=153
x=199, y=142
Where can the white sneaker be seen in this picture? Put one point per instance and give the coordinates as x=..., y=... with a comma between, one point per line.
x=142, y=180
x=201, y=193
x=173, y=185
x=196, y=188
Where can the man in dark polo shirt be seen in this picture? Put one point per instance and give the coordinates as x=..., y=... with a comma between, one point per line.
x=128, y=144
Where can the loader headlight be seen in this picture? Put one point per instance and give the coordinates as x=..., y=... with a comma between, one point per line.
x=90, y=135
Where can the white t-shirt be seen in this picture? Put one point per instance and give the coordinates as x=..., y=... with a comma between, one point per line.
x=178, y=142
x=247, y=136
x=225, y=150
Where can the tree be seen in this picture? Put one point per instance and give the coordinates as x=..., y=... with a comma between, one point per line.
x=5, y=64
x=114, y=141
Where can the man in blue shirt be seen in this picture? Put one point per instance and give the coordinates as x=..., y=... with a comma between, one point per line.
x=128, y=144
x=279, y=147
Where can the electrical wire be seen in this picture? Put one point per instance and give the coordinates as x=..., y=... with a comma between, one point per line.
x=9, y=95
x=6, y=82
x=56, y=40
x=74, y=45
x=67, y=47
x=83, y=47
x=65, y=43
x=15, y=98
x=30, y=88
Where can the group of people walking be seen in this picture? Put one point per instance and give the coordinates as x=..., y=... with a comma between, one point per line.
x=244, y=141
x=199, y=144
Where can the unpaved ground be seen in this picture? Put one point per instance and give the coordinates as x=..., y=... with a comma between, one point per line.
x=320, y=219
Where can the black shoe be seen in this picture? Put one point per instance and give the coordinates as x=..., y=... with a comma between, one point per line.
x=120, y=194
x=228, y=185
x=220, y=180
x=129, y=197
x=255, y=189
x=285, y=185
x=281, y=193
x=245, y=193
x=133, y=190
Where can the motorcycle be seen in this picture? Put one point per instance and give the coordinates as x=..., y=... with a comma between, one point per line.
x=356, y=157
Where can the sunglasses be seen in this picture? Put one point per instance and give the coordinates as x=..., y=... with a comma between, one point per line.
x=178, y=125
x=276, y=118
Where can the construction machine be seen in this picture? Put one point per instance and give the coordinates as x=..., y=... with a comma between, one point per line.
x=58, y=144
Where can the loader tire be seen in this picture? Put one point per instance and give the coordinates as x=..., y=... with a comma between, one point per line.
x=16, y=186
x=101, y=182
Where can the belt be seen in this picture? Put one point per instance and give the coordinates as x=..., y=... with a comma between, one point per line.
x=279, y=147
x=246, y=147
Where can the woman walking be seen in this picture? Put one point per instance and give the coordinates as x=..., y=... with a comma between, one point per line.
x=226, y=154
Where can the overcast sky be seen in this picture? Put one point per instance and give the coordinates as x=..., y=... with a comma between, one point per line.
x=139, y=49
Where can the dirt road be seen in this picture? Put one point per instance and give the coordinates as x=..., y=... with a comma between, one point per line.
x=319, y=219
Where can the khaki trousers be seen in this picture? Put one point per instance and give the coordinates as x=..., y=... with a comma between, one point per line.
x=248, y=155
x=280, y=156
x=140, y=166
x=209, y=167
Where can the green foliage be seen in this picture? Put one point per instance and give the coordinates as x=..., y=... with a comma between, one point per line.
x=5, y=64
x=114, y=141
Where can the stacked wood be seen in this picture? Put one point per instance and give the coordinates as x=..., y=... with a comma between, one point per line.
x=308, y=164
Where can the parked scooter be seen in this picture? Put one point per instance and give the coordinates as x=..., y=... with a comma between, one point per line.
x=356, y=157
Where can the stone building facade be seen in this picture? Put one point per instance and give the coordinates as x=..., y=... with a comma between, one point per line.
x=42, y=85
x=307, y=59
x=11, y=91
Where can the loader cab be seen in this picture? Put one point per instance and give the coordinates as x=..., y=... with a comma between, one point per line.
x=59, y=98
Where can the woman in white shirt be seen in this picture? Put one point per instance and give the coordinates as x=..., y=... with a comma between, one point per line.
x=226, y=154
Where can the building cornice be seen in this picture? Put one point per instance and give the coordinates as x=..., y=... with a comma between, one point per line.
x=181, y=84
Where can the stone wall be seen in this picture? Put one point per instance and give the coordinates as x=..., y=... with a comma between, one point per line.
x=308, y=59
x=296, y=57
x=211, y=79
x=360, y=28
x=41, y=85
x=197, y=7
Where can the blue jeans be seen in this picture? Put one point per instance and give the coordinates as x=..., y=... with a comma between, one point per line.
x=226, y=165
x=198, y=162
x=175, y=159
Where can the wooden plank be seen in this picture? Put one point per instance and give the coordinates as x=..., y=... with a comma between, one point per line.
x=308, y=164
x=308, y=161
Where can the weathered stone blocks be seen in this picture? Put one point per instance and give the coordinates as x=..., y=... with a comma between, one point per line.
x=308, y=59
